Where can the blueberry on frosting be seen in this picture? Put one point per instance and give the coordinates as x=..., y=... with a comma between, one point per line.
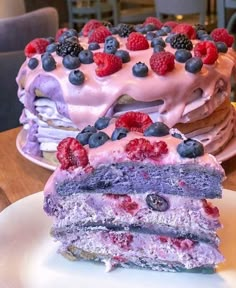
x=86, y=57
x=123, y=55
x=71, y=62
x=76, y=77
x=157, y=129
x=102, y=123
x=157, y=203
x=140, y=69
x=182, y=55
x=194, y=65
x=97, y=139
x=48, y=62
x=190, y=148
x=119, y=133
x=33, y=63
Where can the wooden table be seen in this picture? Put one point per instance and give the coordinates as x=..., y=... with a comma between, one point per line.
x=19, y=177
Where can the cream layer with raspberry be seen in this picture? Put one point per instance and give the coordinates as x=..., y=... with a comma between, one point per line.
x=138, y=201
x=55, y=108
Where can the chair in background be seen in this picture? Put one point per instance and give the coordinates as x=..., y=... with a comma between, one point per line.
x=181, y=7
x=222, y=7
x=15, y=33
x=81, y=11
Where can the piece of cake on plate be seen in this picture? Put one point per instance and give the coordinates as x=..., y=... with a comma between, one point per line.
x=131, y=192
x=177, y=73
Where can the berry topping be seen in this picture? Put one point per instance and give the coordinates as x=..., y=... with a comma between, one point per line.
x=186, y=29
x=76, y=77
x=194, y=65
x=102, y=123
x=59, y=33
x=162, y=62
x=136, y=41
x=140, y=149
x=167, y=29
x=89, y=128
x=221, y=47
x=124, y=30
x=181, y=41
x=111, y=45
x=36, y=46
x=93, y=46
x=161, y=33
x=69, y=48
x=33, y=63
x=122, y=240
x=119, y=133
x=107, y=64
x=171, y=24
x=71, y=62
x=51, y=47
x=190, y=148
x=48, y=62
x=157, y=203
x=182, y=55
x=83, y=138
x=153, y=20
x=158, y=49
x=134, y=121
x=207, y=51
x=91, y=25
x=222, y=35
x=157, y=129
x=71, y=154
x=86, y=57
x=123, y=55
x=70, y=35
x=150, y=36
x=99, y=35
x=158, y=41
x=140, y=69
x=98, y=139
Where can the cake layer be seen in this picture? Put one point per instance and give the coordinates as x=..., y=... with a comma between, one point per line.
x=141, y=250
x=164, y=215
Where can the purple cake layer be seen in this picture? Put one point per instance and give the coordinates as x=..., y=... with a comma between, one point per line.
x=190, y=180
x=119, y=248
x=177, y=216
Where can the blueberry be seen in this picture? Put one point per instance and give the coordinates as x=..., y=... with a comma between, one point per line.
x=157, y=129
x=177, y=135
x=158, y=41
x=119, y=133
x=150, y=36
x=193, y=65
x=123, y=55
x=83, y=138
x=71, y=62
x=72, y=32
x=169, y=38
x=167, y=29
x=182, y=55
x=93, y=46
x=190, y=148
x=33, y=63
x=157, y=203
x=51, y=47
x=102, y=123
x=48, y=62
x=140, y=28
x=161, y=33
x=114, y=30
x=89, y=128
x=68, y=34
x=221, y=47
x=98, y=139
x=111, y=45
x=200, y=33
x=76, y=77
x=50, y=39
x=206, y=37
x=158, y=48
x=149, y=27
x=72, y=39
x=86, y=57
x=140, y=69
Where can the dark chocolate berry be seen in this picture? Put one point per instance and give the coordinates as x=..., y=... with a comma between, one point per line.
x=76, y=77
x=157, y=203
x=71, y=62
x=119, y=133
x=48, y=63
x=33, y=63
x=123, y=55
x=157, y=129
x=190, y=148
x=182, y=55
x=194, y=65
x=86, y=57
x=102, y=123
x=98, y=139
x=140, y=69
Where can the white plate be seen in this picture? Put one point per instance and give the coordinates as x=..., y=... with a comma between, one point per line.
x=228, y=152
x=28, y=257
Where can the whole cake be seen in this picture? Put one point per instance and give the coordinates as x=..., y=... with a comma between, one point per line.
x=133, y=194
x=177, y=73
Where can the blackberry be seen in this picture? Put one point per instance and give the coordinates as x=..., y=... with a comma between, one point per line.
x=181, y=41
x=199, y=26
x=125, y=29
x=69, y=48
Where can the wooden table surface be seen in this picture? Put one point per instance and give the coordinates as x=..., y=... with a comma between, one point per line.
x=19, y=177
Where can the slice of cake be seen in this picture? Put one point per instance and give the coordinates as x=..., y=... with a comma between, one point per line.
x=178, y=74
x=132, y=193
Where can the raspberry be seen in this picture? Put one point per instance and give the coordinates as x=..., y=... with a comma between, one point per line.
x=162, y=62
x=210, y=209
x=71, y=154
x=36, y=46
x=138, y=149
x=99, y=35
x=59, y=33
x=222, y=35
x=137, y=41
x=186, y=29
x=91, y=25
x=153, y=20
x=207, y=51
x=107, y=64
x=134, y=121
x=171, y=24
x=182, y=244
x=122, y=240
x=159, y=148
x=128, y=205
